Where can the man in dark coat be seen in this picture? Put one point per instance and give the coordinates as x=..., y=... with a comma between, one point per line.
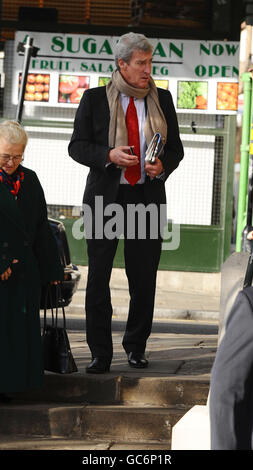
x=109, y=120
x=231, y=385
x=28, y=258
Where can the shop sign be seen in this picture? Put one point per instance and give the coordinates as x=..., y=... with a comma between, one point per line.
x=201, y=75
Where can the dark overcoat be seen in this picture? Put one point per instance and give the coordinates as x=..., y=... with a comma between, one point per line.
x=25, y=235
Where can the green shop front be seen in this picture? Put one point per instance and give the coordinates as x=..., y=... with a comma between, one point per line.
x=202, y=77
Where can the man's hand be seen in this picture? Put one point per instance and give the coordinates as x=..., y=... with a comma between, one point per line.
x=154, y=169
x=120, y=157
x=5, y=276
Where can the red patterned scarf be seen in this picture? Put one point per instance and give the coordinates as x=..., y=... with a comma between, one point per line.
x=13, y=181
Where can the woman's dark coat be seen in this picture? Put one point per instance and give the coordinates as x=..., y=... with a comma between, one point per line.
x=25, y=235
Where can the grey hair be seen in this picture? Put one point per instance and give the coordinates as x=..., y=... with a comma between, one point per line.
x=128, y=43
x=13, y=133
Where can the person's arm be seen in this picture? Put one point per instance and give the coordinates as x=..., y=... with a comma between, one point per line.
x=4, y=276
x=45, y=245
x=231, y=383
x=154, y=170
x=86, y=146
x=173, y=151
x=6, y=260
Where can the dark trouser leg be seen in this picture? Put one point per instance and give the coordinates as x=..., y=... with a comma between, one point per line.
x=142, y=255
x=142, y=259
x=98, y=299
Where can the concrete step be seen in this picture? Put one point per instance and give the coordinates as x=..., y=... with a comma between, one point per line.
x=129, y=410
x=100, y=423
x=24, y=443
x=119, y=390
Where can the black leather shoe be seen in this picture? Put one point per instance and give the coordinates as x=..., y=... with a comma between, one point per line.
x=98, y=365
x=137, y=360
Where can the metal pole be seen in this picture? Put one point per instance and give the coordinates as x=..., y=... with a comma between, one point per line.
x=28, y=47
x=244, y=164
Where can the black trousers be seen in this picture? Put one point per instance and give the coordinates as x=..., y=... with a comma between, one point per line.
x=142, y=257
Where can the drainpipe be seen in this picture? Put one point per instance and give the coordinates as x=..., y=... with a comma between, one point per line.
x=244, y=162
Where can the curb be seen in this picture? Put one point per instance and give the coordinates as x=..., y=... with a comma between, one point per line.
x=176, y=322
x=159, y=313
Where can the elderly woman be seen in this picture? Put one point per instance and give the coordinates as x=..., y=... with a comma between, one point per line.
x=28, y=259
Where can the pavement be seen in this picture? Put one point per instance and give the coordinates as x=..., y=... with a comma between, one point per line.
x=179, y=295
x=181, y=350
x=185, y=327
x=183, y=320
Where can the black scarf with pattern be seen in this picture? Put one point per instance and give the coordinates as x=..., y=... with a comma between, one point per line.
x=13, y=181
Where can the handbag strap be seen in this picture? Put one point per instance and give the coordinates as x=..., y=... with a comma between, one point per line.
x=59, y=303
x=48, y=294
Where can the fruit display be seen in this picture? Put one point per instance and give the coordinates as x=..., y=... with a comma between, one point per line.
x=37, y=87
x=162, y=84
x=71, y=88
x=227, y=96
x=56, y=89
x=102, y=81
x=192, y=95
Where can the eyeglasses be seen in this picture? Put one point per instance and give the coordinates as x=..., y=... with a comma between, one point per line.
x=14, y=158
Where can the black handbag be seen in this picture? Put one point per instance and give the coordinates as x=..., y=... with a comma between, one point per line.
x=56, y=348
